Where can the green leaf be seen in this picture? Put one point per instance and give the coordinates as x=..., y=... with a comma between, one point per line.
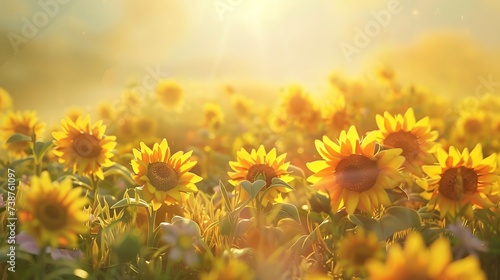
x=40, y=149
x=366, y=223
x=287, y=210
x=18, y=137
x=395, y=219
x=120, y=170
x=299, y=245
x=277, y=182
x=407, y=217
x=127, y=248
x=223, y=191
x=226, y=225
x=19, y=161
x=253, y=188
x=130, y=201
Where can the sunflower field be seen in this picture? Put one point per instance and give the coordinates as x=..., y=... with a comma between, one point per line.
x=371, y=179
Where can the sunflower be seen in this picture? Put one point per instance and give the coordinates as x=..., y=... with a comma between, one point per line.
x=336, y=115
x=5, y=101
x=295, y=101
x=356, y=249
x=298, y=106
x=105, y=111
x=83, y=147
x=472, y=124
x=415, y=261
x=460, y=181
x=164, y=177
x=169, y=93
x=145, y=126
x=25, y=123
x=353, y=173
x=74, y=113
x=53, y=211
x=256, y=163
x=232, y=269
x=213, y=117
x=415, y=138
x=241, y=105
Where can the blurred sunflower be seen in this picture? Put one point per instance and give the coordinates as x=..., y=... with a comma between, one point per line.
x=105, y=111
x=336, y=115
x=164, y=177
x=353, y=173
x=145, y=127
x=241, y=105
x=415, y=261
x=460, y=181
x=354, y=250
x=5, y=101
x=74, y=113
x=470, y=127
x=25, y=123
x=83, y=147
x=295, y=101
x=415, y=138
x=232, y=269
x=53, y=212
x=259, y=163
x=213, y=117
x=169, y=93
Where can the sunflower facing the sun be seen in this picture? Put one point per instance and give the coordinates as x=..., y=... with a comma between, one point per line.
x=53, y=212
x=353, y=174
x=250, y=165
x=460, y=181
x=416, y=261
x=83, y=147
x=164, y=177
x=415, y=138
x=25, y=123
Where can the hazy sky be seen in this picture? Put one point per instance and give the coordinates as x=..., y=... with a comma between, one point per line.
x=72, y=53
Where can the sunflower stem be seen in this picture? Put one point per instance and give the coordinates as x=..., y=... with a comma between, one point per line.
x=41, y=262
x=151, y=224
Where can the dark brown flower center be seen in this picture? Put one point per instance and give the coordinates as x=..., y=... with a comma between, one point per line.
x=86, y=145
x=406, y=141
x=52, y=216
x=162, y=176
x=473, y=126
x=456, y=182
x=263, y=169
x=23, y=129
x=356, y=173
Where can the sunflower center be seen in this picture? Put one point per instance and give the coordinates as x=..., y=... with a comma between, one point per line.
x=162, y=176
x=52, y=216
x=360, y=255
x=456, y=182
x=86, y=145
x=473, y=126
x=263, y=169
x=23, y=129
x=356, y=173
x=406, y=141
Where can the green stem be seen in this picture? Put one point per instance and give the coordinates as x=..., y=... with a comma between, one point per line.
x=93, y=185
x=41, y=263
x=151, y=225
